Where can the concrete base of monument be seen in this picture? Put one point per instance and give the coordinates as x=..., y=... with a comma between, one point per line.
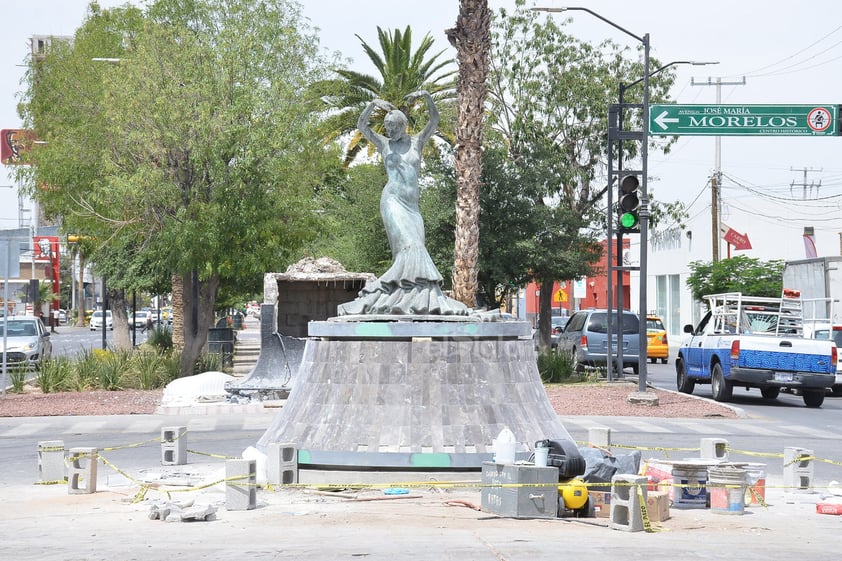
x=413, y=396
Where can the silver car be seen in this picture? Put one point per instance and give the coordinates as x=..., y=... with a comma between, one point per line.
x=27, y=341
x=586, y=337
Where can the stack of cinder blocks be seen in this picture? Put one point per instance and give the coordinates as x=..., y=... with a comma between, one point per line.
x=282, y=464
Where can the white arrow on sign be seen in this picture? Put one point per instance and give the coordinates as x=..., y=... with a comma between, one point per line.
x=662, y=120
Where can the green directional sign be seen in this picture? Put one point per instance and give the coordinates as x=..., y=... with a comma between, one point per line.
x=744, y=120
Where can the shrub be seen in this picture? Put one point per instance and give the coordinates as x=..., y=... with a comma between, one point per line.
x=17, y=376
x=54, y=374
x=555, y=367
x=170, y=365
x=208, y=362
x=110, y=368
x=146, y=370
x=84, y=374
x=160, y=338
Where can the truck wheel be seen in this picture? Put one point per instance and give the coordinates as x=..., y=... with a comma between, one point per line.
x=813, y=398
x=836, y=390
x=720, y=387
x=770, y=393
x=685, y=384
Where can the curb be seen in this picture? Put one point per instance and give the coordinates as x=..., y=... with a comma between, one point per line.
x=739, y=411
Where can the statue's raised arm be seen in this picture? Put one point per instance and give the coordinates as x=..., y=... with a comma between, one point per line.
x=433, y=111
x=363, y=123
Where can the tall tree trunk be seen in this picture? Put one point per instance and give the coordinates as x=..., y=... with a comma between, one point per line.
x=194, y=333
x=472, y=40
x=545, y=310
x=177, y=318
x=120, y=319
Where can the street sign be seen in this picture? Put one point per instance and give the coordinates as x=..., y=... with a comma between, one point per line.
x=744, y=120
x=735, y=238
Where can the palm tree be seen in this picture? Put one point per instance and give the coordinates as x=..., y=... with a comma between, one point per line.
x=471, y=37
x=402, y=72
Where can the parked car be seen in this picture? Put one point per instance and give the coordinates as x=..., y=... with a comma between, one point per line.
x=657, y=346
x=96, y=320
x=586, y=337
x=27, y=341
x=140, y=319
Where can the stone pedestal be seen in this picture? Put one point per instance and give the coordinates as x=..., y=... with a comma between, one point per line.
x=413, y=394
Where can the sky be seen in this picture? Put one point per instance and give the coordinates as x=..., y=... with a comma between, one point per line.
x=778, y=53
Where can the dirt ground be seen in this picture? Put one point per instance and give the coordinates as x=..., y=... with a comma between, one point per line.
x=577, y=399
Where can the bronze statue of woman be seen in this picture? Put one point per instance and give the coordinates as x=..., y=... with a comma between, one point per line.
x=412, y=285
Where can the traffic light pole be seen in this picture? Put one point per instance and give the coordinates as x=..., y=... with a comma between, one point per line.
x=643, y=137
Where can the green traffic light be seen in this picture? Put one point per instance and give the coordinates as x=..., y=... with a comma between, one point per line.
x=628, y=220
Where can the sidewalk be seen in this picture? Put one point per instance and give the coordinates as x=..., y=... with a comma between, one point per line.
x=303, y=524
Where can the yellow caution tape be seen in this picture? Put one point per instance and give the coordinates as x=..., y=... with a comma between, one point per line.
x=647, y=525
x=218, y=456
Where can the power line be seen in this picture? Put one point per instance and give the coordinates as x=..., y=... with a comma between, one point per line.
x=808, y=47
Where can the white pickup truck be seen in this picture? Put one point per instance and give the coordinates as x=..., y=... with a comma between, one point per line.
x=755, y=342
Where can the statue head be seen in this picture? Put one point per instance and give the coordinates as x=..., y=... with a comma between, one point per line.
x=395, y=123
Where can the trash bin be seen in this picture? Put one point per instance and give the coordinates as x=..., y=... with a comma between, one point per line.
x=221, y=342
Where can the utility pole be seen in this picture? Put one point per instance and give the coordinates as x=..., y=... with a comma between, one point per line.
x=716, y=180
x=804, y=182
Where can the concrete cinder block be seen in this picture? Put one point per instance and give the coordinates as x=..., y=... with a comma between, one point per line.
x=173, y=446
x=626, y=501
x=599, y=437
x=714, y=448
x=798, y=471
x=51, y=466
x=82, y=472
x=282, y=464
x=240, y=484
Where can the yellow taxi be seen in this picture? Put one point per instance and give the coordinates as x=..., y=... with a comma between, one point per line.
x=657, y=346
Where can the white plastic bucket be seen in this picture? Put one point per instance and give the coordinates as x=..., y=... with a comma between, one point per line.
x=541, y=455
x=689, y=486
x=727, y=490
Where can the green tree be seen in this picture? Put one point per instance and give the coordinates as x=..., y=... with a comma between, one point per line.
x=549, y=95
x=196, y=151
x=401, y=72
x=741, y=273
x=353, y=233
x=505, y=247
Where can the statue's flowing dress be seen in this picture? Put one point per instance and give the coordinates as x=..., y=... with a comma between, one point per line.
x=412, y=285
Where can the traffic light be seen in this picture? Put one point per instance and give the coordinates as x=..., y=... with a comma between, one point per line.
x=629, y=205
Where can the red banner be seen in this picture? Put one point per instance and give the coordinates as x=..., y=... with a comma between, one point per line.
x=13, y=144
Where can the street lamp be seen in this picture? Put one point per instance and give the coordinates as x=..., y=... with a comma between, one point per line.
x=644, y=197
